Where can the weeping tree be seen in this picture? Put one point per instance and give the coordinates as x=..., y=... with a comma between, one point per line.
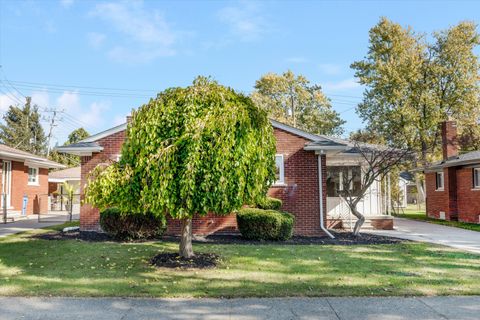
x=375, y=163
x=194, y=150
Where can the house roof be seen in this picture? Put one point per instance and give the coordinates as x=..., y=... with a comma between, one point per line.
x=407, y=176
x=81, y=148
x=9, y=153
x=317, y=142
x=469, y=158
x=64, y=175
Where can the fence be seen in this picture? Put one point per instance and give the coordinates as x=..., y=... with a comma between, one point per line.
x=61, y=208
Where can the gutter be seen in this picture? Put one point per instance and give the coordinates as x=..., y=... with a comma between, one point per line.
x=320, y=196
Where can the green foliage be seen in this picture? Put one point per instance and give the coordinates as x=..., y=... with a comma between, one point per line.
x=269, y=203
x=258, y=224
x=413, y=84
x=293, y=100
x=129, y=226
x=70, y=159
x=77, y=135
x=194, y=150
x=22, y=129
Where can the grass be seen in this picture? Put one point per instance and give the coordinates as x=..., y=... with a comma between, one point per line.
x=31, y=267
x=421, y=215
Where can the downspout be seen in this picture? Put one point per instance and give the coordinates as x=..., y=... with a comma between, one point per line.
x=320, y=196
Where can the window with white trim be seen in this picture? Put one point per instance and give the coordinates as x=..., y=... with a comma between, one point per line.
x=279, y=170
x=476, y=178
x=439, y=180
x=32, y=176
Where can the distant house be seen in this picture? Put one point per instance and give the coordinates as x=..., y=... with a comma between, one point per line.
x=24, y=176
x=407, y=190
x=57, y=184
x=453, y=184
x=308, y=181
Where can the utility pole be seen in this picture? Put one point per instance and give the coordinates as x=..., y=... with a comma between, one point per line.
x=52, y=123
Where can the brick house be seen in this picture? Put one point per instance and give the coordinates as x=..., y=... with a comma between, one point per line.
x=304, y=180
x=24, y=174
x=453, y=184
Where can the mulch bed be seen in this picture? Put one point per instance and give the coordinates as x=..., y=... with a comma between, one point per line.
x=91, y=236
x=173, y=260
x=341, y=238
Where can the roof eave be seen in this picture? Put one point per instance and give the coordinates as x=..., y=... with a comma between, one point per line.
x=87, y=151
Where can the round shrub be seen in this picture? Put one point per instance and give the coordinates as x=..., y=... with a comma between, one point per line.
x=259, y=224
x=270, y=203
x=129, y=226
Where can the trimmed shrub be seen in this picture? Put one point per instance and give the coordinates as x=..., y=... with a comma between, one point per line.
x=259, y=224
x=130, y=226
x=270, y=203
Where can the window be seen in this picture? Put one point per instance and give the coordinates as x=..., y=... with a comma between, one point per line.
x=32, y=176
x=279, y=170
x=476, y=178
x=439, y=180
x=338, y=177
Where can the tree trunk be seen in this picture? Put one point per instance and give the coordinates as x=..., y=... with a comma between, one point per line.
x=360, y=220
x=186, y=250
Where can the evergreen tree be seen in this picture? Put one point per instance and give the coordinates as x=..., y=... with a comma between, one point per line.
x=22, y=129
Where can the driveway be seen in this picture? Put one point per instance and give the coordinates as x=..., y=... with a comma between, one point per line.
x=391, y=308
x=428, y=232
x=31, y=223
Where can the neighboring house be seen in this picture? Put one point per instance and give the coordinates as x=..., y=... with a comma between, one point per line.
x=407, y=190
x=24, y=175
x=57, y=189
x=453, y=184
x=307, y=176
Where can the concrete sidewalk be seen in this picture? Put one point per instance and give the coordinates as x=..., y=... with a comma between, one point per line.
x=31, y=223
x=433, y=233
x=394, y=308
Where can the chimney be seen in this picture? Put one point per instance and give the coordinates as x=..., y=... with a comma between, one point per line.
x=449, y=139
x=129, y=119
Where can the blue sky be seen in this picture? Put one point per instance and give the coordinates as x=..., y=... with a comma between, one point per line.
x=62, y=52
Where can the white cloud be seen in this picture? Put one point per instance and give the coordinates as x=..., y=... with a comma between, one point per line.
x=330, y=69
x=7, y=100
x=244, y=20
x=346, y=84
x=91, y=115
x=41, y=99
x=296, y=60
x=146, y=33
x=66, y=3
x=95, y=39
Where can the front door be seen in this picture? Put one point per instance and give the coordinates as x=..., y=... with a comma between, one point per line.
x=6, y=182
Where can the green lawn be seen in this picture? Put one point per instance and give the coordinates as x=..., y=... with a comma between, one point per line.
x=75, y=268
x=421, y=215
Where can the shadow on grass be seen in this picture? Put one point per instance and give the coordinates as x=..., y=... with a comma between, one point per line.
x=75, y=268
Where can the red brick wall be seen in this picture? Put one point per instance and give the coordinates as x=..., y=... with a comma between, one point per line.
x=437, y=200
x=300, y=195
x=37, y=194
x=468, y=198
x=89, y=216
x=449, y=139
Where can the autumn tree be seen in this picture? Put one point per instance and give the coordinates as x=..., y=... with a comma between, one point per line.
x=412, y=84
x=69, y=159
x=22, y=129
x=194, y=150
x=375, y=163
x=293, y=100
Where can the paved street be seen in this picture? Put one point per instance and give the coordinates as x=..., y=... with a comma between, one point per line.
x=32, y=223
x=433, y=233
x=394, y=308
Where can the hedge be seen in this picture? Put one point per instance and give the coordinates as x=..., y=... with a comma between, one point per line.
x=259, y=224
x=129, y=226
x=270, y=203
